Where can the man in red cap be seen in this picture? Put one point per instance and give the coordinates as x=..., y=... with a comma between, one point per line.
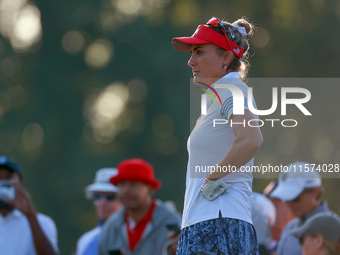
x=142, y=226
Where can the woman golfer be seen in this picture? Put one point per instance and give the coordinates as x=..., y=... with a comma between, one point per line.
x=217, y=211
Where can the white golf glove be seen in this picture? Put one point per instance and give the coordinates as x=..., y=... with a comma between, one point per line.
x=212, y=189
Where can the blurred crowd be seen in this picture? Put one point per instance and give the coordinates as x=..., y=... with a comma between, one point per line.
x=289, y=216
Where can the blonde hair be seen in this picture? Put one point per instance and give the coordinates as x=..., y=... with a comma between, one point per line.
x=240, y=65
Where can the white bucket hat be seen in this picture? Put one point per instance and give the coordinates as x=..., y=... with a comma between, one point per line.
x=102, y=182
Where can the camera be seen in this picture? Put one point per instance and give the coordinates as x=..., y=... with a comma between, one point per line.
x=7, y=191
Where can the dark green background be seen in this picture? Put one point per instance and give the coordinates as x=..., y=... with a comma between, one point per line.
x=49, y=90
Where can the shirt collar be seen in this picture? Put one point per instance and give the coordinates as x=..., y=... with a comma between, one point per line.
x=146, y=218
x=231, y=75
x=323, y=207
x=17, y=213
x=100, y=223
x=13, y=214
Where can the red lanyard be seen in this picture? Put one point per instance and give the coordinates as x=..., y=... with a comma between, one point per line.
x=136, y=234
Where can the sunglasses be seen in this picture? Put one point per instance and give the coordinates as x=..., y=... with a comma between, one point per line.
x=108, y=197
x=215, y=22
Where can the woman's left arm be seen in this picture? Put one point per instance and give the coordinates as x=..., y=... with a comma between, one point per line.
x=245, y=145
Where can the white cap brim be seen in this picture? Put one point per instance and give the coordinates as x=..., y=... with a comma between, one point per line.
x=99, y=187
x=287, y=191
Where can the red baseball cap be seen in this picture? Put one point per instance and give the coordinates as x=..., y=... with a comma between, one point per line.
x=136, y=169
x=204, y=35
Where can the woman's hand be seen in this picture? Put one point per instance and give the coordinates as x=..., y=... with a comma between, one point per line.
x=212, y=189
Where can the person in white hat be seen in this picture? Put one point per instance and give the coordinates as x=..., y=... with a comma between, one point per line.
x=320, y=234
x=300, y=189
x=104, y=196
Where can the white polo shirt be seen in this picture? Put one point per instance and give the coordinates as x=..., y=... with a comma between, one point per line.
x=16, y=236
x=207, y=145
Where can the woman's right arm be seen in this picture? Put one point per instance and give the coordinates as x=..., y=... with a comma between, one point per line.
x=244, y=147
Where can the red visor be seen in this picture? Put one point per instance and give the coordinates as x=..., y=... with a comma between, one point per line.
x=205, y=35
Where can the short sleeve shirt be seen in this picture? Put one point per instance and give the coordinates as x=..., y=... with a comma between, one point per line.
x=207, y=145
x=16, y=236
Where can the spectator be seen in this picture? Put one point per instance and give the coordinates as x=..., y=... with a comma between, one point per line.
x=283, y=213
x=263, y=217
x=320, y=234
x=300, y=189
x=22, y=229
x=105, y=200
x=140, y=228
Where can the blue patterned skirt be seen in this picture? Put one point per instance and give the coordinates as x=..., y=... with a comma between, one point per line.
x=222, y=236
